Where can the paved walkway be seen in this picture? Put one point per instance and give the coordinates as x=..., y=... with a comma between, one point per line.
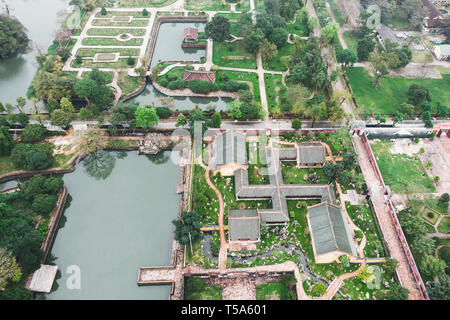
x=382, y=211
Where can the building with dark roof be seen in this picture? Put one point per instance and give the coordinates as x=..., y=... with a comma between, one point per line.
x=434, y=16
x=244, y=226
x=385, y=33
x=190, y=35
x=311, y=154
x=229, y=153
x=330, y=233
x=200, y=75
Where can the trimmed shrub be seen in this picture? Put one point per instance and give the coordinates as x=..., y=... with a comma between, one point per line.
x=177, y=85
x=163, y=112
x=202, y=86
x=234, y=86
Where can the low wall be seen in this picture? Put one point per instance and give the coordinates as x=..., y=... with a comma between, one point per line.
x=55, y=216
x=25, y=174
x=393, y=212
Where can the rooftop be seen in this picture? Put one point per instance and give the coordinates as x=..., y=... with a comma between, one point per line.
x=190, y=34
x=200, y=75
x=243, y=224
x=329, y=228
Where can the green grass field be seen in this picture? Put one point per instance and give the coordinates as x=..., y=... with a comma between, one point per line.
x=233, y=55
x=275, y=290
x=392, y=91
x=403, y=173
x=274, y=89
x=351, y=39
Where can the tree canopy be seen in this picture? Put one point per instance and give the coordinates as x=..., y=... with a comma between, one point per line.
x=13, y=39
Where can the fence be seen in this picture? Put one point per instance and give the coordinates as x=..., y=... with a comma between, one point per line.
x=393, y=211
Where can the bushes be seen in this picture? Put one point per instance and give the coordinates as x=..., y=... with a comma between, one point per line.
x=177, y=85
x=202, y=86
x=32, y=157
x=234, y=86
x=33, y=133
x=163, y=112
x=44, y=203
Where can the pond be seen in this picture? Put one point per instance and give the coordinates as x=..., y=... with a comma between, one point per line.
x=168, y=48
x=42, y=18
x=119, y=220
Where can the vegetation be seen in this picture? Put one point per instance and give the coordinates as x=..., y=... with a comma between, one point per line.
x=13, y=38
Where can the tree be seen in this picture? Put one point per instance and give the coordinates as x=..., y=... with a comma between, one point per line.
x=423, y=245
x=218, y=29
x=432, y=266
x=60, y=118
x=92, y=140
x=346, y=57
x=33, y=133
x=279, y=37
x=103, y=11
x=444, y=198
x=268, y=50
x=439, y=289
x=43, y=204
x=390, y=265
x=344, y=260
x=234, y=110
x=94, y=89
x=52, y=185
x=397, y=292
x=318, y=289
x=329, y=32
x=426, y=118
x=9, y=270
x=181, y=120
x=378, y=65
x=417, y=94
x=216, y=120
x=13, y=38
x=364, y=47
x=187, y=230
x=145, y=12
x=146, y=117
x=330, y=171
x=6, y=141
x=441, y=110
x=406, y=109
x=412, y=225
x=254, y=40
x=296, y=124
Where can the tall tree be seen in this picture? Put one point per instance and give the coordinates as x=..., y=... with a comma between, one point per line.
x=218, y=28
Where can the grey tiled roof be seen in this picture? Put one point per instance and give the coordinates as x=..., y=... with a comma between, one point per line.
x=243, y=225
x=229, y=148
x=312, y=154
x=330, y=231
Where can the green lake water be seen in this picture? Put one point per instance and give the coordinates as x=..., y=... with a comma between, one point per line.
x=117, y=224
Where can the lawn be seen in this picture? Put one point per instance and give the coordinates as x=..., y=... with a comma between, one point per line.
x=275, y=290
x=292, y=175
x=392, y=91
x=298, y=28
x=275, y=63
x=250, y=77
x=115, y=32
x=145, y=3
x=109, y=23
x=444, y=225
x=233, y=55
x=111, y=42
x=404, y=174
x=337, y=14
x=351, y=39
x=90, y=52
x=275, y=90
x=197, y=289
x=128, y=84
x=208, y=5
x=364, y=218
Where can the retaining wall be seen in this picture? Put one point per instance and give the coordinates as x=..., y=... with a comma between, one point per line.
x=393, y=211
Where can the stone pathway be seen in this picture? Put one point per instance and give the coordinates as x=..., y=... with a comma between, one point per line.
x=387, y=226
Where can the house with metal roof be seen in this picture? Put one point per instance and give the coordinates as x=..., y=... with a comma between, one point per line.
x=244, y=226
x=442, y=52
x=330, y=233
x=229, y=153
